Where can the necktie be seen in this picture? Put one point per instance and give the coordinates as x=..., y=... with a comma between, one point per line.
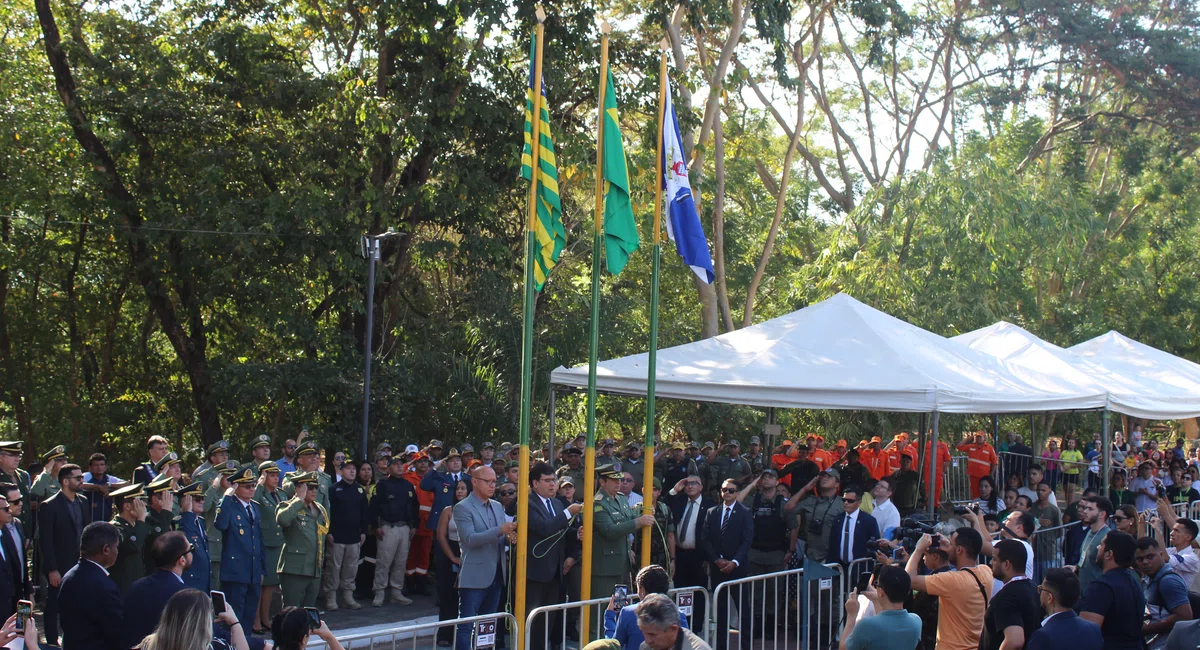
x=549, y=508
x=10, y=550
x=687, y=517
x=725, y=520
x=846, y=542
x=250, y=513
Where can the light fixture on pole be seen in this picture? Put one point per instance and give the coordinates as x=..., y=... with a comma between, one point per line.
x=370, y=250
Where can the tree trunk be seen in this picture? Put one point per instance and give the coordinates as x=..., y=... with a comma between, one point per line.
x=718, y=219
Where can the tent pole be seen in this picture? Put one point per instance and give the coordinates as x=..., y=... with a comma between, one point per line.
x=550, y=439
x=995, y=431
x=922, y=436
x=1106, y=454
x=1032, y=431
x=930, y=490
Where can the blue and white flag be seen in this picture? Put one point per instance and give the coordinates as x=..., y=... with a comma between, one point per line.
x=683, y=224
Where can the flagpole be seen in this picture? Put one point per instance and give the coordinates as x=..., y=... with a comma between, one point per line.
x=648, y=477
x=589, y=466
x=527, y=337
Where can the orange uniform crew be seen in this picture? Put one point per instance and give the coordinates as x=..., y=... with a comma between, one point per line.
x=422, y=543
x=981, y=460
x=875, y=459
x=901, y=447
x=816, y=454
x=943, y=457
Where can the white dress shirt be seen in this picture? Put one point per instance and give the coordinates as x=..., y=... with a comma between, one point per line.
x=886, y=515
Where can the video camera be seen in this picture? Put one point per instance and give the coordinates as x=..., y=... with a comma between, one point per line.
x=911, y=529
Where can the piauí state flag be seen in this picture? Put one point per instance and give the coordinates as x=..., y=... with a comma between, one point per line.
x=620, y=228
x=548, y=227
x=683, y=224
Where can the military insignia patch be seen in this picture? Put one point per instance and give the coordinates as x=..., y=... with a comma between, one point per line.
x=241, y=531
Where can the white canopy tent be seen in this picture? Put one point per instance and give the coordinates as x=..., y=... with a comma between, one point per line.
x=1128, y=357
x=1133, y=394
x=840, y=354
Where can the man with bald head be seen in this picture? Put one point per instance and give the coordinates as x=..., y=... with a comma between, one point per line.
x=482, y=533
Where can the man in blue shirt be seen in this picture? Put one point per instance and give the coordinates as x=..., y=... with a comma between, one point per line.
x=891, y=628
x=1166, y=594
x=622, y=626
x=1115, y=600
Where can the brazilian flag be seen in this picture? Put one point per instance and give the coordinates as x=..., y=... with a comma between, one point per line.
x=548, y=229
x=620, y=228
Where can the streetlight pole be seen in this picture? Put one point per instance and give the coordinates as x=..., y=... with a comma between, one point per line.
x=370, y=250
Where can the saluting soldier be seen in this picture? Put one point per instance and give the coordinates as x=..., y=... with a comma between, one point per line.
x=191, y=524
x=268, y=496
x=169, y=465
x=217, y=454
x=307, y=460
x=242, y=558
x=161, y=518
x=156, y=448
x=46, y=484
x=732, y=466
x=131, y=523
x=612, y=524
x=213, y=493
x=754, y=455
x=574, y=467
x=305, y=523
x=11, y=472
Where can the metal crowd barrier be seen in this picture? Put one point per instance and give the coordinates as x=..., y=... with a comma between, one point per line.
x=1047, y=546
x=484, y=629
x=553, y=620
x=955, y=479
x=758, y=606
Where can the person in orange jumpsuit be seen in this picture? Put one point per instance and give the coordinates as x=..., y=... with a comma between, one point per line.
x=875, y=458
x=981, y=459
x=419, y=550
x=839, y=451
x=942, y=457
x=899, y=446
x=816, y=454
x=780, y=458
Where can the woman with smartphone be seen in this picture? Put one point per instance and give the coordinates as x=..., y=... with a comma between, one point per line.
x=187, y=624
x=293, y=626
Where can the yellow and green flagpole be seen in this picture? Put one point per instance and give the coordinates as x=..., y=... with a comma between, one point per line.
x=648, y=457
x=531, y=249
x=589, y=466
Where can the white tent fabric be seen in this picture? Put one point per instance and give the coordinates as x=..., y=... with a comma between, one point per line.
x=1131, y=394
x=1176, y=378
x=838, y=354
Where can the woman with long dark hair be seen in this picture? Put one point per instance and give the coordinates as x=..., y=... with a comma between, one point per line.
x=989, y=499
x=448, y=559
x=364, y=582
x=292, y=627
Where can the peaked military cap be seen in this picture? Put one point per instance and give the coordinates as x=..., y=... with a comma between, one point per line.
x=261, y=441
x=127, y=492
x=308, y=478
x=160, y=484
x=307, y=448
x=467, y=448
x=268, y=466
x=170, y=459
x=220, y=445
x=453, y=453
x=243, y=474
x=57, y=452
x=609, y=471
x=193, y=490
x=228, y=467
x=11, y=445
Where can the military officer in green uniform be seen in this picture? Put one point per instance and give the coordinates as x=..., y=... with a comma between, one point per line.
x=305, y=523
x=11, y=472
x=268, y=496
x=217, y=454
x=308, y=458
x=732, y=466
x=260, y=452
x=662, y=535
x=213, y=493
x=573, y=468
x=131, y=523
x=754, y=456
x=169, y=465
x=161, y=518
x=613, y=522
x=605, y=453
x=46, y=484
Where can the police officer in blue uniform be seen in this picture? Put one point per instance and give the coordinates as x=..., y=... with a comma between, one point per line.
x=191, y=523
x=442, y=483
x=243, y=558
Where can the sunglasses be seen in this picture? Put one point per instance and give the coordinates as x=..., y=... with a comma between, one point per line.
x=844, y=500
x=1120, y=518
x=724, y=490
x=291, y=446
x=508, y=493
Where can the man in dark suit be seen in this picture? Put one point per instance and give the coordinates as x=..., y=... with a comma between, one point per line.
x=13, y=583
x=728, y=532
x=546, y=548
x=1063, y=628
x=61, y=520
x=688, y=514
x=851, y=531
x=441, y=484
x=12, y=535
x=89, y=602
x=243, y=557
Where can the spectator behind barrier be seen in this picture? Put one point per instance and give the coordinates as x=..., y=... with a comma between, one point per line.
x=1013, y=614
x=1182, y=555
x=1062, y=627
x=1115, y=600
x=290, y=630
x=658, y=619
x=1166, y=593
x=186, y=624
x=963, y=594
x=892, y=627
x=622, y=626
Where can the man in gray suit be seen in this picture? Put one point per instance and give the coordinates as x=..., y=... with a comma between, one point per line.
x=482, y=532
x=548, y=526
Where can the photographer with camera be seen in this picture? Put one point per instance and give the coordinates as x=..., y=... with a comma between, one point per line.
x=963, y=598
x=891, y=628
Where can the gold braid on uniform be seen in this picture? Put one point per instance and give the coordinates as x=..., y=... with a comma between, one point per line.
x=322, y=530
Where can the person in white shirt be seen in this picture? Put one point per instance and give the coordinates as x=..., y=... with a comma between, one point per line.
x=1019, y=525
x=1181, y=554
x=1036, y=475
x=885, y=512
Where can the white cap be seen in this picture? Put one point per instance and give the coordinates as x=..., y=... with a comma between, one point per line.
x=411, y=449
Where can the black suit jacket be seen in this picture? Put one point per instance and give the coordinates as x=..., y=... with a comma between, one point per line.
x=734, y=543
x=59, y=537
x=548, y=567
x=89, y=608
x=144, y=605
x=677, y=510
x=865, y=529
x=14, y=587
x=1066, y=630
